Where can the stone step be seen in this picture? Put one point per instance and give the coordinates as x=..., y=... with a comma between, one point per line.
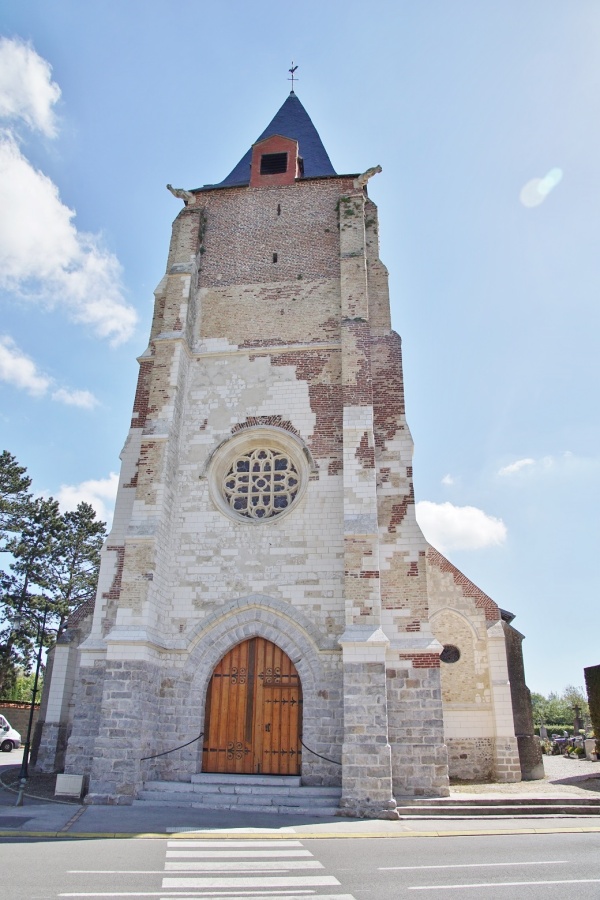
x=498, y=817
x=497, y=801
x=266, y=780
x=232, y=800
x=306, y=792
x=497, y=810
x=274, y=794
x=236, y=803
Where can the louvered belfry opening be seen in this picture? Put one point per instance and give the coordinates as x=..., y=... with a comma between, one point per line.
x=273, y=163
x=253, y=712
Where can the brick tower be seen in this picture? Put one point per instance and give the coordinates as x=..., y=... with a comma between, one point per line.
x=265, y=581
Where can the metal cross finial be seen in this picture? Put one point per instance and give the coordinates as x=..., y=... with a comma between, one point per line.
x=291, y=71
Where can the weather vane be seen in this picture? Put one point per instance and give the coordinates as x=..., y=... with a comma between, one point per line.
x=291, y=71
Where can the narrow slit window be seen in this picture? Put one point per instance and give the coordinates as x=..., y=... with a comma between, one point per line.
x=279, y=209
x=274, y=257
x=273, y=163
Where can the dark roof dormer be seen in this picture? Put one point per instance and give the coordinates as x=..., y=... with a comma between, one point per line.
x=275, y=161
x=291, y=123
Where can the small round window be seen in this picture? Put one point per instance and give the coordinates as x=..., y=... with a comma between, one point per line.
x=450, y=654
x=261, y=483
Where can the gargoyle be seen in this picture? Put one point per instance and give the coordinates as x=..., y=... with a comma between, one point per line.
x=186, y=196
x=361, y=181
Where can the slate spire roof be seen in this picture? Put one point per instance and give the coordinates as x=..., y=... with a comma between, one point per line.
x=291, y=121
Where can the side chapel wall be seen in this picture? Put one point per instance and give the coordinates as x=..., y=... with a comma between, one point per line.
x=478, y=719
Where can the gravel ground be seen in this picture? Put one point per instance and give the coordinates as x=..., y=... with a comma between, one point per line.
x=564, y=777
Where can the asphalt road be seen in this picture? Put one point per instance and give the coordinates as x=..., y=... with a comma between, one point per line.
x=530, y=867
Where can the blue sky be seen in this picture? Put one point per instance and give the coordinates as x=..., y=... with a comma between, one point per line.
x=485, y=118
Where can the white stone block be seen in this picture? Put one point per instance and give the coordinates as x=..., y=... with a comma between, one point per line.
x=69, y=786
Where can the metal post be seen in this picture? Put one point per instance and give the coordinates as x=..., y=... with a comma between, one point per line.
x=24, y=773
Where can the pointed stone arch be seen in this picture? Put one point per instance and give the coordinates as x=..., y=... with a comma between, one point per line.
x=314, y=657
x=443, y=610
x=261, y=607
x=465, y=680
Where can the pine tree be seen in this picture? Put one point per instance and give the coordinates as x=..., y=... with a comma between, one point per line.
x=14, y=494
x=25, y=588
x=53, y=564
x=74, y=566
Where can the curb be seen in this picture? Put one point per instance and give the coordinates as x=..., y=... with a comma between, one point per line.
x=302, y=836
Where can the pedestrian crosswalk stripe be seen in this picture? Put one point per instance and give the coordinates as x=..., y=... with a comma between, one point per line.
x=234, y=854
x=238, y=865
x=232, y=844
x=193, y=829
x=241, y=882
x=258, y=895
x=244, y=870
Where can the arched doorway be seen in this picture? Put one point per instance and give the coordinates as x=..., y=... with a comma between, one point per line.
x=253, y=712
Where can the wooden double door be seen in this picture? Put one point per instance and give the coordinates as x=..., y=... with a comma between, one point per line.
x=253, y=712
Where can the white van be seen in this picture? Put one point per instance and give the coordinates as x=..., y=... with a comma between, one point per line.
x=9, y=738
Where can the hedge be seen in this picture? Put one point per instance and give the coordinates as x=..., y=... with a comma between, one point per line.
x=555, y=729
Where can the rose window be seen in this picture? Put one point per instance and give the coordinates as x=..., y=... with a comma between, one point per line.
x=261, y=483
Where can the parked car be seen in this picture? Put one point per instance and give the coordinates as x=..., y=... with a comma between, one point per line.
x=9, y=738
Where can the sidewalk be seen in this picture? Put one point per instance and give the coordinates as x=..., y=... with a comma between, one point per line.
x=48, y=819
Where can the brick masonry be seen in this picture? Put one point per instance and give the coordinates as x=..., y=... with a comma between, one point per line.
x=272, y=323
x=18, y=716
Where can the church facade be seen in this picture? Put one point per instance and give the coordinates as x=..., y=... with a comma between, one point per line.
x=265, y=586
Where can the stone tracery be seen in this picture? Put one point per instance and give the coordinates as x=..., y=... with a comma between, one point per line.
x=261, y=483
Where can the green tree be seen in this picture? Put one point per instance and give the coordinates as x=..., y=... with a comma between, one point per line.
x=73, y=568
x=25, y=588
x=558, y=709
x=576, y=696
x=22, y=689
x=538, y=706
x=52, y=563
x=14, y=495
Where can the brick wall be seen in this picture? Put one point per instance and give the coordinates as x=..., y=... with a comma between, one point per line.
x=18, y=716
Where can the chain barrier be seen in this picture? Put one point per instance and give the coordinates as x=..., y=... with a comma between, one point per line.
x=181, y=746
x=326, y=758
x=155, y=755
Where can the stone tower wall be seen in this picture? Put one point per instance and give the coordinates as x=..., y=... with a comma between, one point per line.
x=272, y=319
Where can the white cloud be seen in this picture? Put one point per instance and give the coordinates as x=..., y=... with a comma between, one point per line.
x=448, y=480
x=100, y=493
x=44, y=258
x=516, y=466
x=27, y=91
x=19, y=370
x=450, y=527
x=83, y=399
x=565, y=464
